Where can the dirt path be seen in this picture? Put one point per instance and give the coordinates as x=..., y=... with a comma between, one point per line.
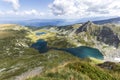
x=31, y=73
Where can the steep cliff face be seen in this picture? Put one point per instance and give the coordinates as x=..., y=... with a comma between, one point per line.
x=107, y=36
x=85, y=27
x=103, y=33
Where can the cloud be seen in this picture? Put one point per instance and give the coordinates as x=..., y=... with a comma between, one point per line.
x=84, y=8
x=15, y=3
x=32, y=12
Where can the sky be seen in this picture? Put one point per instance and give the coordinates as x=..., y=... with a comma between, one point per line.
x=58, y=9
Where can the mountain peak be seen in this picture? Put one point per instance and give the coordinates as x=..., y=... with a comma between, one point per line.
x=84, y=27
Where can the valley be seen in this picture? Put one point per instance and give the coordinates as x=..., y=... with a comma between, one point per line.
x=105, y=38
x=56, y=53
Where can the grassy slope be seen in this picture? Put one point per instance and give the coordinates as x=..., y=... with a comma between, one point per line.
x=77, y=70
x=17, y=58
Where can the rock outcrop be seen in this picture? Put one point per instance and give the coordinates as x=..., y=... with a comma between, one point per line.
x=84, y=27
x=107, y=36
x=103, y=33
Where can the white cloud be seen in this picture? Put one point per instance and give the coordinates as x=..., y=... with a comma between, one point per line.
x=15, y=3
x=32, y=12
x=84, y=8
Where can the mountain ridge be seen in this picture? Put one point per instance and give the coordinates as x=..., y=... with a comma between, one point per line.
x=111, y=20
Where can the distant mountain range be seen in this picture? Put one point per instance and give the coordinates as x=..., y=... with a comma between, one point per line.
x=41, y=22
x=112, y=20
x=59, y=22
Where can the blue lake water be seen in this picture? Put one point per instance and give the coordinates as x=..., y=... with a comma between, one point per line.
x=84, y=52
x=40, y=45
x=40, y=33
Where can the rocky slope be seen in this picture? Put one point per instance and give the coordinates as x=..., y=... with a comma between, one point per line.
x=18, y=60
x=104, y=37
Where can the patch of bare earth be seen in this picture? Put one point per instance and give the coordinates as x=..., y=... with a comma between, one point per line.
x=29, y=74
